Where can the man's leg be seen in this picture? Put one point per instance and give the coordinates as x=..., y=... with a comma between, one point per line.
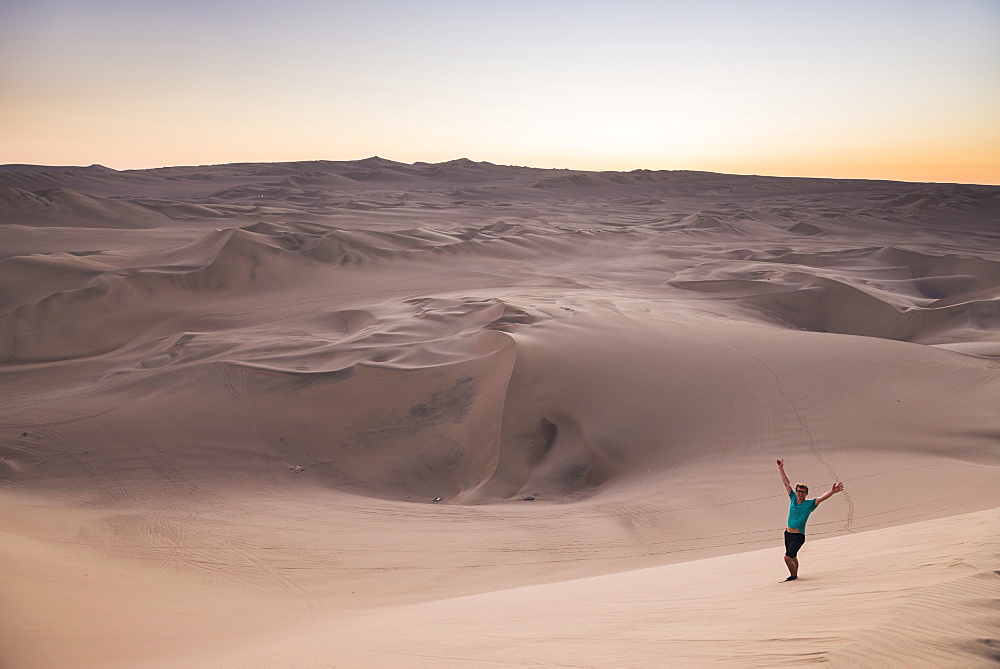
x=793, y=567
x=793, y=542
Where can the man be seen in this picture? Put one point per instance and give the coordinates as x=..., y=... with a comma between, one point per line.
x=798, y=514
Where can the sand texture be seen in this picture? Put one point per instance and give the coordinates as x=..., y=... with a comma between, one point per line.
x=232, y=395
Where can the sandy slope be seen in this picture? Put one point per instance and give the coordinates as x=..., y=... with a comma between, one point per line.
x=232, y=393
x=909, y=602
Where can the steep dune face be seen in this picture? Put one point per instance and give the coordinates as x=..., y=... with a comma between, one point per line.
x=698, y=391
x=434, y=363
x=888, y=292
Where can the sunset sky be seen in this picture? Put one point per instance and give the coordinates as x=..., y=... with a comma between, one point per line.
x=871, y=89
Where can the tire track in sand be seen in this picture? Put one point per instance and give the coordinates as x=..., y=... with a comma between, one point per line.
x=245, y=389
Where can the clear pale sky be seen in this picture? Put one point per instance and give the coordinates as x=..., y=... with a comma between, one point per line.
x=887, y=89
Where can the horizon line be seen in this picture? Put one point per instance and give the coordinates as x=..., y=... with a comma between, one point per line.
x=34, y=167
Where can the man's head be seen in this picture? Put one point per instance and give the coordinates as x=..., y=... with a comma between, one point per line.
x=801, y=490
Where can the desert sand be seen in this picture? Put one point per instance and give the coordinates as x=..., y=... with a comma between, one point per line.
x=368, y=413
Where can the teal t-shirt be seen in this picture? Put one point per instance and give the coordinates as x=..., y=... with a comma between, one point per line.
x=798, y=514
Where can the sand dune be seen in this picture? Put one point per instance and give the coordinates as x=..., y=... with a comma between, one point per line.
x=367, y=413
x=695, y=613
x=66, y=207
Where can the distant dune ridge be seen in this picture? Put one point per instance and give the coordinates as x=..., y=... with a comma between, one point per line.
x=370, y=413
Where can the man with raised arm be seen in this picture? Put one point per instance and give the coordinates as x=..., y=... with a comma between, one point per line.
x=798, y=514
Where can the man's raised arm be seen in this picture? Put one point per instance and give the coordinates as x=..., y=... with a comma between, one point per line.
x=837, y=487
x=784, y=478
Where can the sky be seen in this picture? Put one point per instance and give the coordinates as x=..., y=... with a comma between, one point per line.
x=878, y=89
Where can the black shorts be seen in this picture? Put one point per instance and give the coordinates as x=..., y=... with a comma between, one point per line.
x=793, y=542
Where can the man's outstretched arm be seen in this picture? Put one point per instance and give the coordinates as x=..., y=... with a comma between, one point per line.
x=784, y=478
x=837, y=487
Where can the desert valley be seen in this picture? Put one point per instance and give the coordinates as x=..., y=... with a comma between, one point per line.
x=373, y=413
